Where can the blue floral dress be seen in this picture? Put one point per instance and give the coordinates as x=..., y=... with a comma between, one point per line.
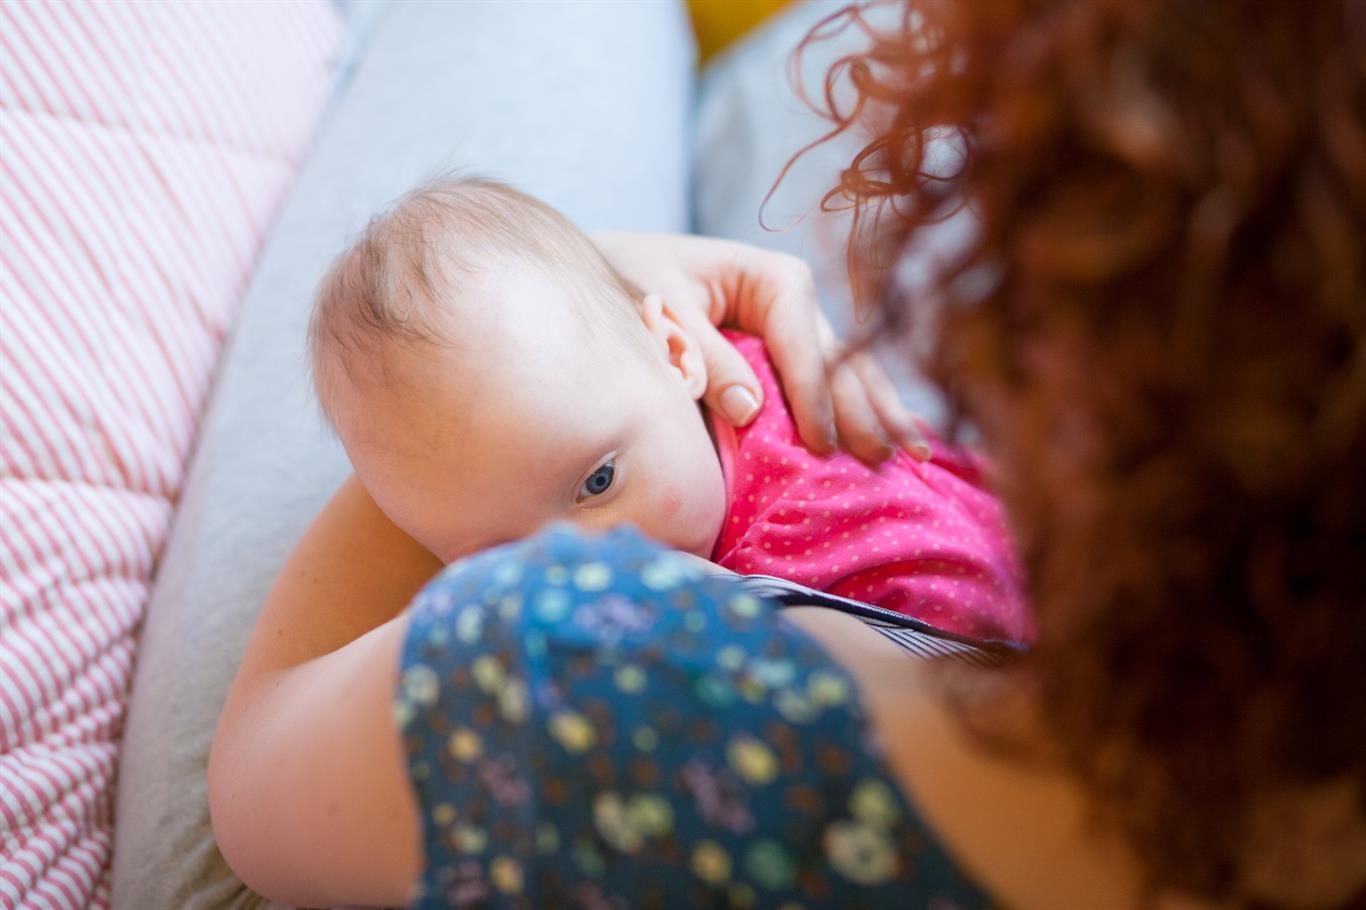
x=592, y=722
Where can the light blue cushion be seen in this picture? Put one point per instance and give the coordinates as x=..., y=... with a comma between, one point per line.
x=586, y=105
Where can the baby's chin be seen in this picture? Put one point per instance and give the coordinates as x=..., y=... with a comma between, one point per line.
x=703, y=545
x=682, y=521
x=703, y=527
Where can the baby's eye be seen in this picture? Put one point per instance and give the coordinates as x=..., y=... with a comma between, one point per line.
x=599, y=482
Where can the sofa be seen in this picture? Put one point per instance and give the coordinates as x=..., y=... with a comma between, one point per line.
x=174, y=179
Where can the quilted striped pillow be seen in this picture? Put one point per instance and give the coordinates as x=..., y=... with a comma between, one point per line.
x=144, y=148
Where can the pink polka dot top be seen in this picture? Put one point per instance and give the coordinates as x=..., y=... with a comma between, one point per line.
x=927, y=540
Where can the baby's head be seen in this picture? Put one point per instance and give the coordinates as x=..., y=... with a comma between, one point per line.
x=488, y=371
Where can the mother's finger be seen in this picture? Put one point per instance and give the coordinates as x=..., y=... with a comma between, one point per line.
x=791, y=324
x=732, y=388
x=897, y=422
x=860, y=428
x=867, y=410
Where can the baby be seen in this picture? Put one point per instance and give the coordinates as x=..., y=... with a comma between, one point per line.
x=488, y=371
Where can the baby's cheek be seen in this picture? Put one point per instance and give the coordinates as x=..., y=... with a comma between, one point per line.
x=680, y=518
x=670, y=502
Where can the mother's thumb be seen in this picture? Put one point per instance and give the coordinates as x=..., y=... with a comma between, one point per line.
x=732, y=388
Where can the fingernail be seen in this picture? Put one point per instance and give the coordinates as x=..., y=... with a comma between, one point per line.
x=738, y=405
x=920, y=452
x=832, y=436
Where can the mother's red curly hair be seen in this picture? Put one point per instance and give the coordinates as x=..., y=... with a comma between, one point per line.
x=1159, y=323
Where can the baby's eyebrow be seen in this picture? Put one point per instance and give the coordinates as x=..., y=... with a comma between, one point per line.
x=586, y=455
x=580, y=460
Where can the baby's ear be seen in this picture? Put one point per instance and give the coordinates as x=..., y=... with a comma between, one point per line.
x=679, y=348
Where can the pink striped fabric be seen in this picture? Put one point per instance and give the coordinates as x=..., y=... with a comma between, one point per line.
x=144, y=148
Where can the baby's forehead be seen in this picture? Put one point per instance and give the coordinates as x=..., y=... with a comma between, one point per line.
x=483, y=403
x=465, y=268
x=517, y=326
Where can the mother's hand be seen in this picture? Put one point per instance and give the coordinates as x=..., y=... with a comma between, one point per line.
x=837, y=402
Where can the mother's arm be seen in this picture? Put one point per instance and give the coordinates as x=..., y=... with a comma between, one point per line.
x=309, y=797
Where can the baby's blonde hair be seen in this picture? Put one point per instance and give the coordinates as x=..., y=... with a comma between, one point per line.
x=393, y=288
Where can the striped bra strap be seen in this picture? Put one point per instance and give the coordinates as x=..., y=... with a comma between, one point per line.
x=917, y=638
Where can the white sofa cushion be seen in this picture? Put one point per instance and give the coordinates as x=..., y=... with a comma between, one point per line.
x=586, y=105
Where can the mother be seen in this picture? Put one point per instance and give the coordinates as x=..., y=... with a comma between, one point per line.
x=1158, y=323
